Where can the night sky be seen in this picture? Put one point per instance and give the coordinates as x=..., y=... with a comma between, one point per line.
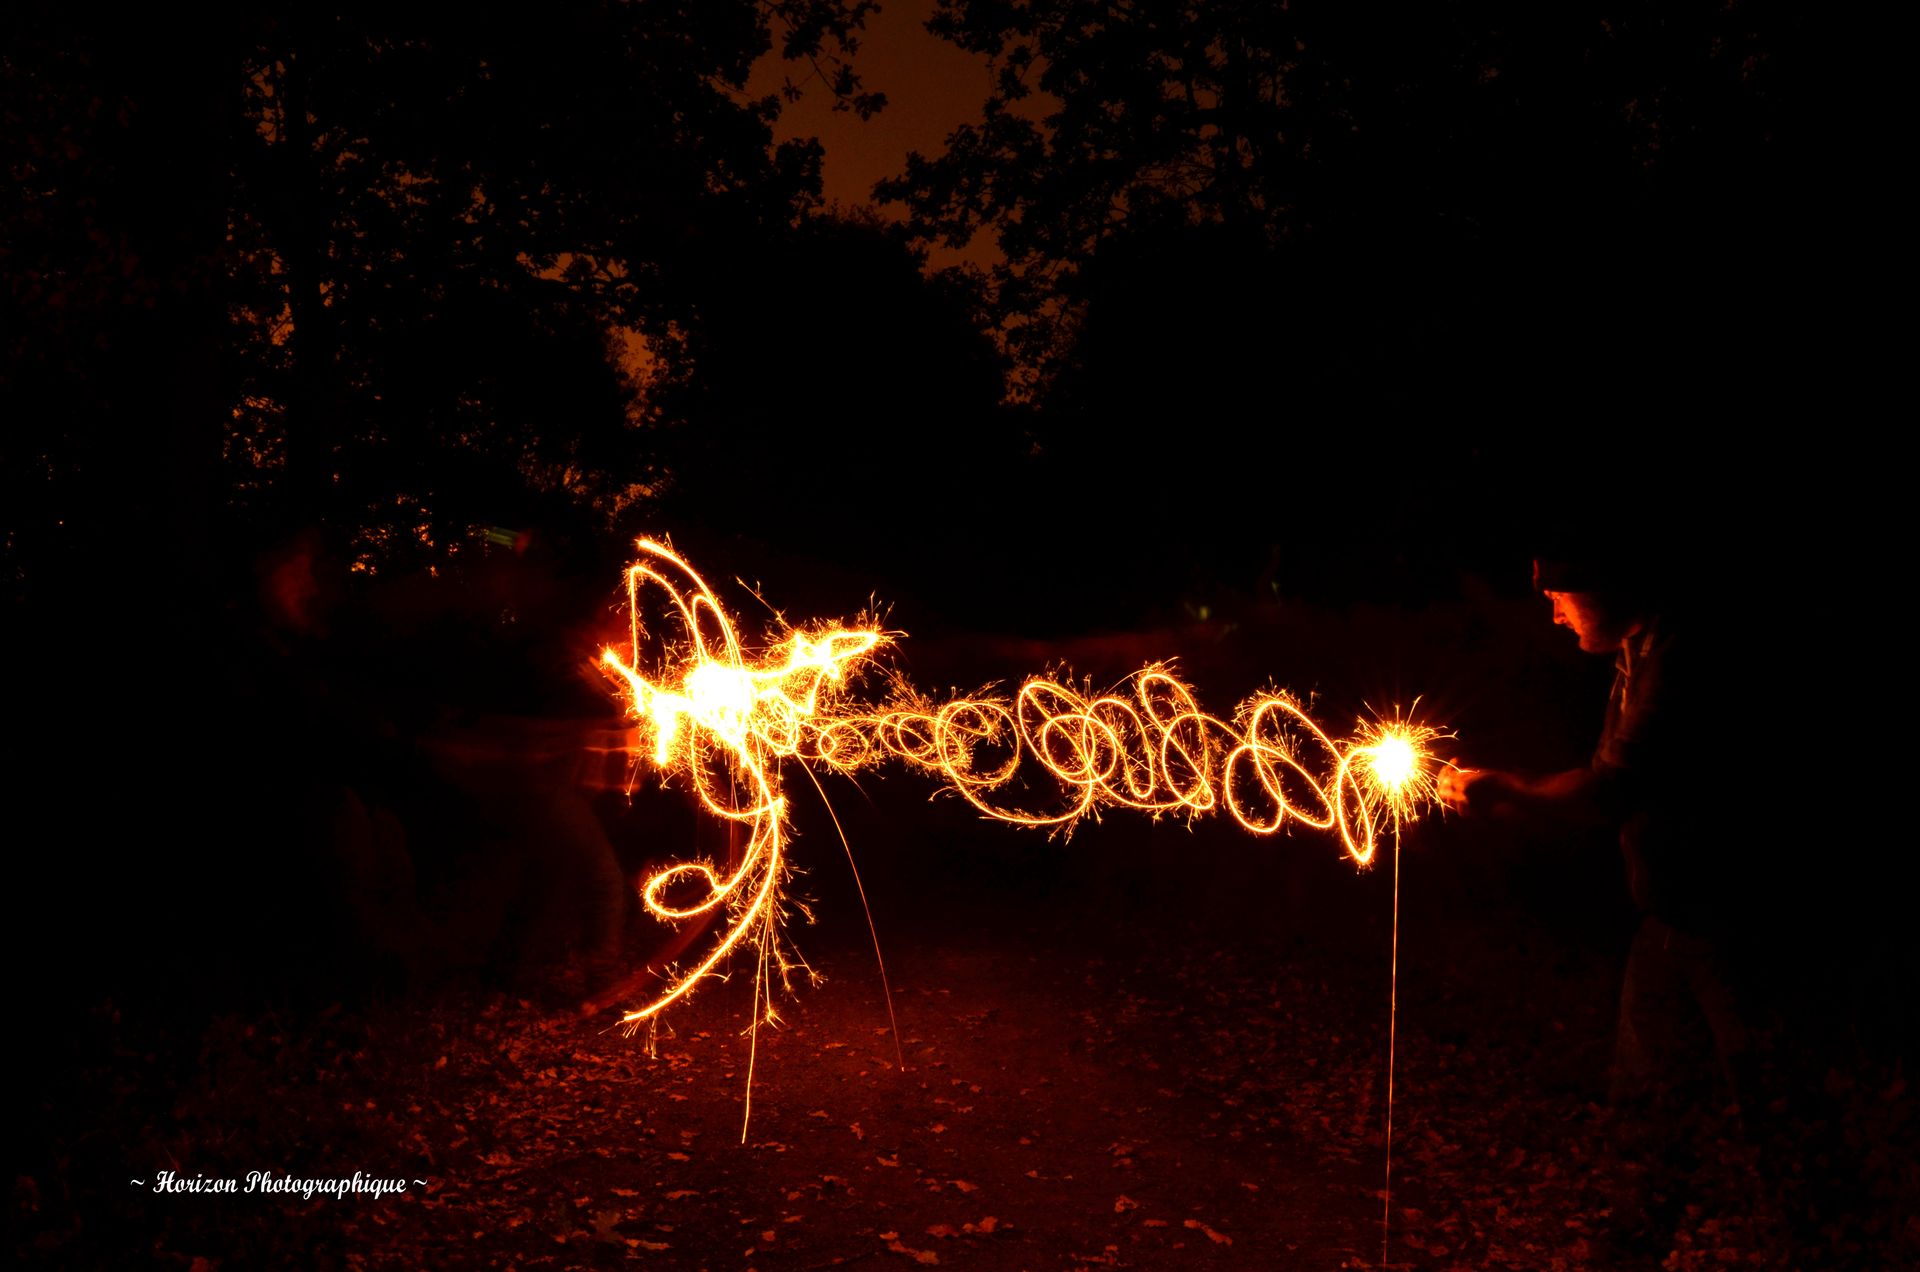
x=930, y=85
x=347, y=353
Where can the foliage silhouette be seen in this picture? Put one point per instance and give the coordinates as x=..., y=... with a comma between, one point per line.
x=362, y=267
x=1434, y=162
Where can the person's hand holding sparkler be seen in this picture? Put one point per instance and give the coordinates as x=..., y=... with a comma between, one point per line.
x=1568, y=796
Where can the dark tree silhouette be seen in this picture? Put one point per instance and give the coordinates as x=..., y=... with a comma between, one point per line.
x=1389, y=135
x=288, y=290
x=361, y=266
x=111, y=227
x=1302, y=247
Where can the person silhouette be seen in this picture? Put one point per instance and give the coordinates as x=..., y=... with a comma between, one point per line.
x=1682, y=1053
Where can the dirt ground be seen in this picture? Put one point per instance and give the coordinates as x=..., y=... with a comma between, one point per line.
x=1151, y=1046
x=1104, y=1067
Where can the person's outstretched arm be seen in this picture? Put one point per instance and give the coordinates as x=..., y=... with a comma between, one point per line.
x=1573, y=794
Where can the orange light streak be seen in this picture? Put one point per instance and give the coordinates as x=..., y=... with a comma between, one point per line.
x=722, y=719
x=722, y=723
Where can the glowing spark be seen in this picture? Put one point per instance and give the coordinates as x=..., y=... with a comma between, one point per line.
x=1392, y=762
x=720, y=724
x=1400, y=772
x=721, y=719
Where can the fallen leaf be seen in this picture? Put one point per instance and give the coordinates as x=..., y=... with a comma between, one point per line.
x=1218, y=1238
x=918, y=1256
x=1124, y=1203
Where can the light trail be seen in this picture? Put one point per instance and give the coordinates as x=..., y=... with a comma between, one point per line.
x=722, y=719
x=719, y=722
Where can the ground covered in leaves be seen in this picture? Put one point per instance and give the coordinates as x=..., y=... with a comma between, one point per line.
x=1101, y=1061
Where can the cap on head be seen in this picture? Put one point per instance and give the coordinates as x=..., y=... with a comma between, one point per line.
x=1577, y=572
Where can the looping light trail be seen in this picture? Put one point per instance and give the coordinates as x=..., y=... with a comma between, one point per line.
x=722, y=724
x=722, y=719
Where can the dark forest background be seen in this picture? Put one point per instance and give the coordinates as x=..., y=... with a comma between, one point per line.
x=352, y=346
x=1312, y=296
x=345, y=349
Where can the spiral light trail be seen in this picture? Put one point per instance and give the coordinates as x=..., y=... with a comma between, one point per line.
x=722, y=718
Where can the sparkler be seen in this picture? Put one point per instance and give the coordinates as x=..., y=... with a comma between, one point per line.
x=1395, y=756
x=723, y=719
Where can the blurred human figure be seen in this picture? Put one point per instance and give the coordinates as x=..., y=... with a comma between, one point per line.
x=1682, y=1050
x=509, y=727
x=414, y=755
x=323, y=745
x=524, y=776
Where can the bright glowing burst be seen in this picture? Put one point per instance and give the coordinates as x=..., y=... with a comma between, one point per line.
x=1400, y=770
x=722, y=723
x=1391, y=763
x=721, y=719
